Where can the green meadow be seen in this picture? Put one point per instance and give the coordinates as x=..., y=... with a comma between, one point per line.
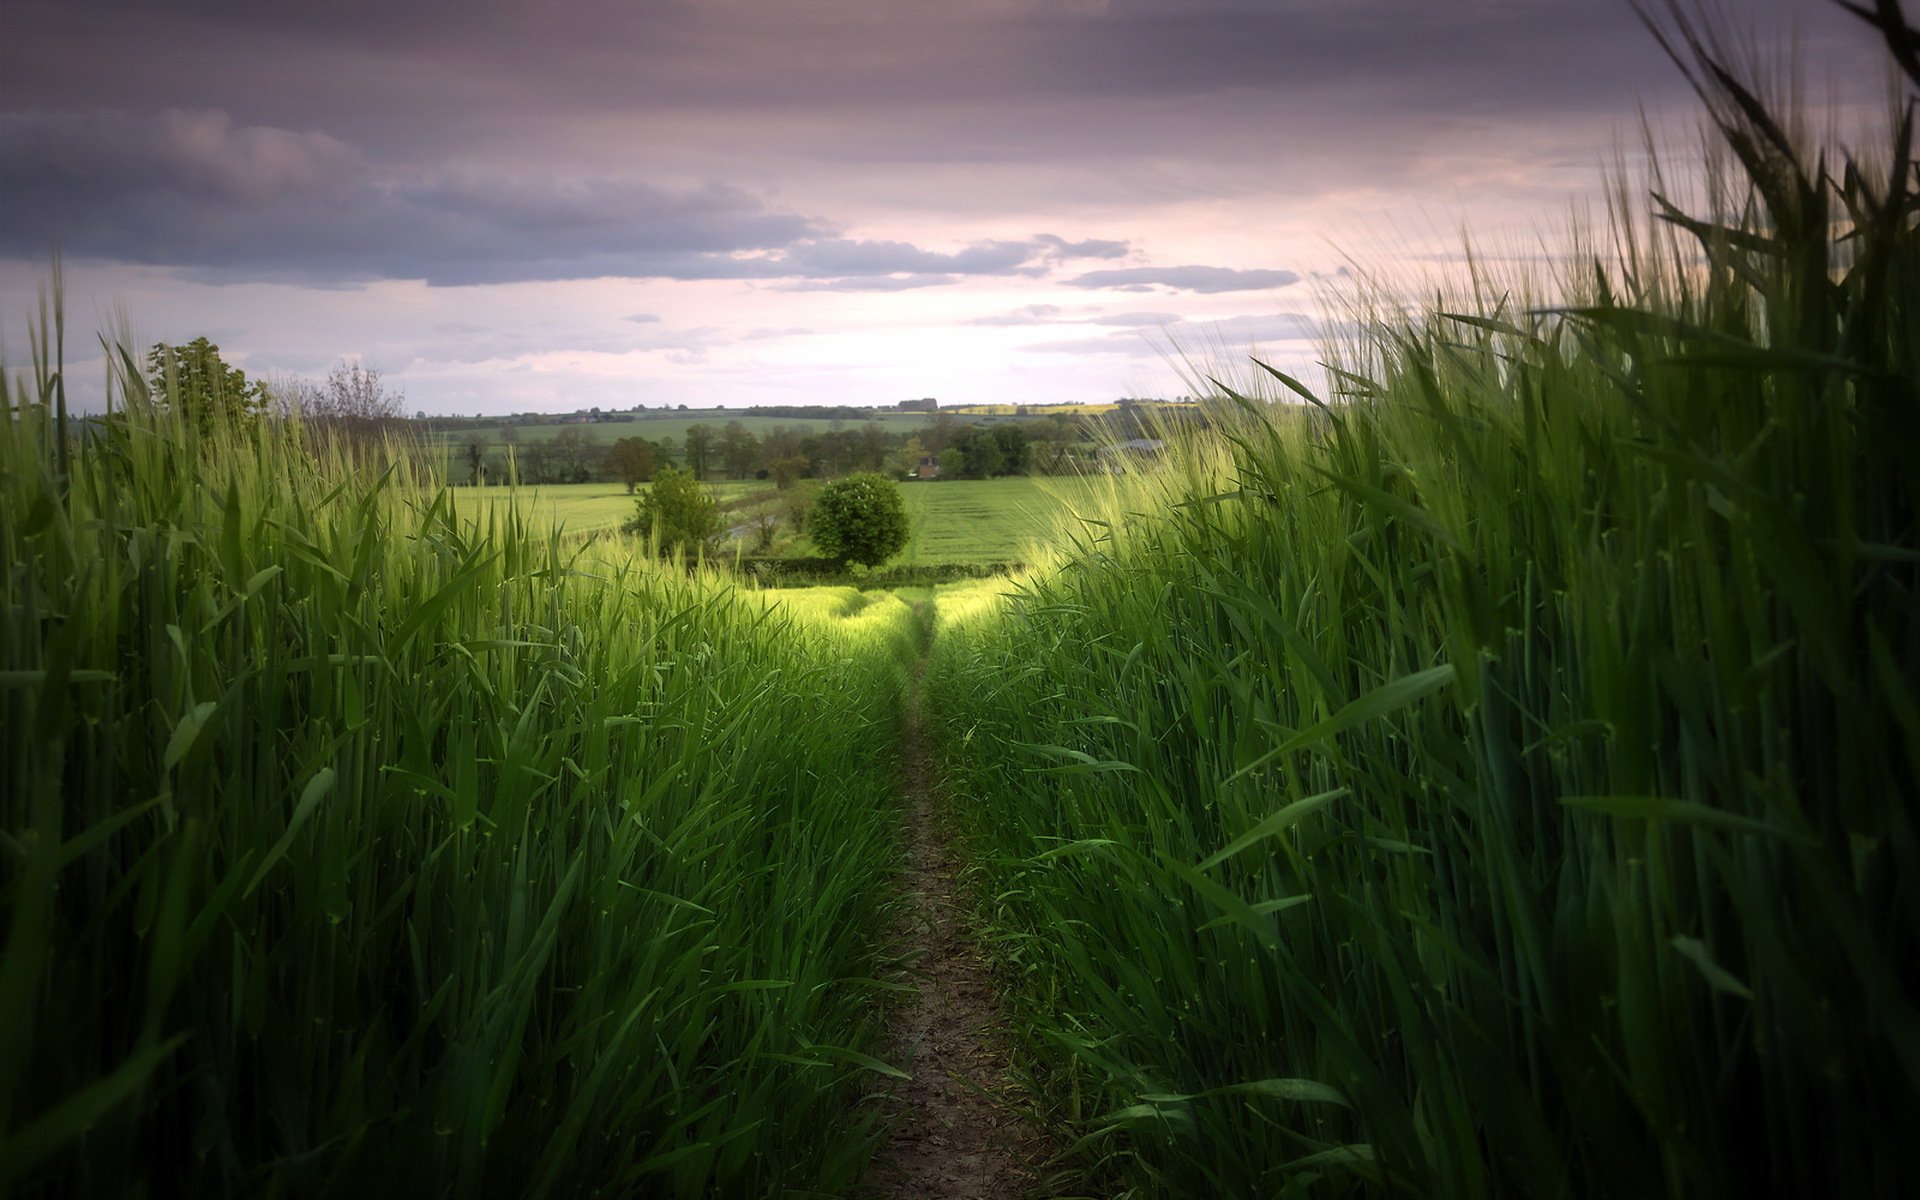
x=1496, y=777
x=975, y=521
x=588, y=508
x=965, y=521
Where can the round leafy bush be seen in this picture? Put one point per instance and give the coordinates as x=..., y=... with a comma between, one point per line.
x=676, y=512
x=859, y=519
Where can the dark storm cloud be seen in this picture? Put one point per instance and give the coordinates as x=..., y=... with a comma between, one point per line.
x=499, y=141
x=196, y=190
x=1185, y=279
x=990, y=80
x=593, y=53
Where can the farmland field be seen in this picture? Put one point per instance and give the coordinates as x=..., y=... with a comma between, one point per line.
x=984, y=520
x=966, y=521
x=1498, y=779
x=581, y=508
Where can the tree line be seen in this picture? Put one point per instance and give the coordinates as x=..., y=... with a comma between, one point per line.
x=946, y=449
x=353, y=403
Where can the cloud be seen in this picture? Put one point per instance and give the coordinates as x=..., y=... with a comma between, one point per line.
x=1096, y=248
x=1230, y=335
x=842, y=258
x=643, y=318
x=195, y=189
x=872, y=283
x=220, y=201
x=1032, y=314
x=1050, y=314
x=1206, y=280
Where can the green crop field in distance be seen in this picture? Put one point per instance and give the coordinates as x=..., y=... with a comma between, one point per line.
x=968, y=521
x=984, y=520
x=582, y=508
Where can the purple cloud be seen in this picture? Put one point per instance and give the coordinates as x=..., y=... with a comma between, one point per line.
x=221, y=201
x=1206, y=280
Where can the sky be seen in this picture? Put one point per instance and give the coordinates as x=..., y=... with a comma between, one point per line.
x=508, y=207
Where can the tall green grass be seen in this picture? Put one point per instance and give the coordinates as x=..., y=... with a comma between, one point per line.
x=1501, y=780
x=359, y=843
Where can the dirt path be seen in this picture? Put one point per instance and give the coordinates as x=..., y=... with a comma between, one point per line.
x=955, y=1131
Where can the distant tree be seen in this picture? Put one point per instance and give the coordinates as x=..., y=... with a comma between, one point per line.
x=765, y=527
x=1012, y=441
x=836, y=450
x=676, y=512
x=534, y=462
x=859, y=519
x=784, y=471
x=982, y=454
x=799, y=503
x=571, y=456
x=476, y=458
x=356, y=393
x=702, y=441
x=782, y=441
x=940, y=434
x=207, y=390
x=953, y=464
x=906, y=459
x=631, y=461
x=872, y=446
x=739, y=449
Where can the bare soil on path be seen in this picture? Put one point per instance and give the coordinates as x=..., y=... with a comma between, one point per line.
x=955, y=1126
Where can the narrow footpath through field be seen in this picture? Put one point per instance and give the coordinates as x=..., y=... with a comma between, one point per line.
x=955, y=1130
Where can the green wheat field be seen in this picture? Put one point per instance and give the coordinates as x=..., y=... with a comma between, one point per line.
x=1495, y=777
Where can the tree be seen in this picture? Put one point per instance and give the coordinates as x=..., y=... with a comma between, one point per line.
x=983, y=455
x=798, y=503
x=859, y=518
x=571, y=456
x=906, y=460
x=702, y=442
x=1012, y=441
x=739, y=449
x=208, y=391
x=535, y=463
x=784, y=471
x=355, y=393
x=676, y=512
x=631, y=461
x=873, y=446
x=476, y=459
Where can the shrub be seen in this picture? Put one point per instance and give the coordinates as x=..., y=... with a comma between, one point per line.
x=676, y=512
x=859, y=519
